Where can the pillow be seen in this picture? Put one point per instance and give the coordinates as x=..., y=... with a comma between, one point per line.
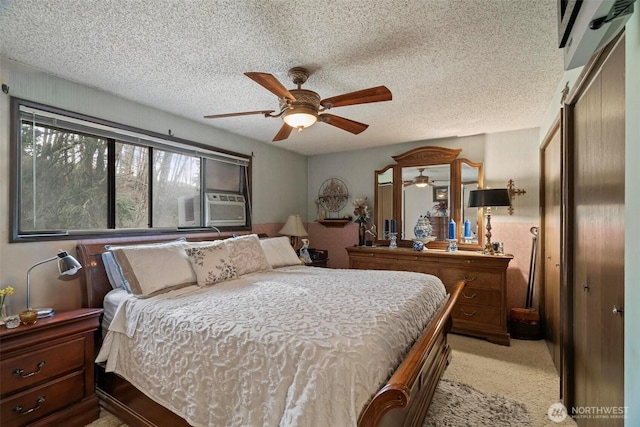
x=154, y=268
x=212, y=264
x=279, y=252
x=112, y=268
x=247, y=254
x=114, y=274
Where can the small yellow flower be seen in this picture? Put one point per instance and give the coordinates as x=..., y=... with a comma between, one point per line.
x=4, y=293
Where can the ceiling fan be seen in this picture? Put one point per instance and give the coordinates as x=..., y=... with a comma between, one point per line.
x=300, y=108
x=420, y=180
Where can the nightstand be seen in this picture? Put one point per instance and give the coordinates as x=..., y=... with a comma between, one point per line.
x=47, y=371
x=319, y=257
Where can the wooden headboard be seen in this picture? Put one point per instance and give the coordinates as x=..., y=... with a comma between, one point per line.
x=93, y=276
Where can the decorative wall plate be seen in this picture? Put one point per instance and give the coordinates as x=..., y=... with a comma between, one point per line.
x=333, y=195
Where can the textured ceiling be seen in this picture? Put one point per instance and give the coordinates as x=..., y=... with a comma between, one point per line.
x=455, y=67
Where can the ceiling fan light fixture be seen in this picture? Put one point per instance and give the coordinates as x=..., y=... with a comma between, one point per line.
x=421, y=181
x=300, y=117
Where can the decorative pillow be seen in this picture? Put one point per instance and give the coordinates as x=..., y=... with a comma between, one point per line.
x=247, y=254
x=154, y=268
x=279, y=252
x=212, y=263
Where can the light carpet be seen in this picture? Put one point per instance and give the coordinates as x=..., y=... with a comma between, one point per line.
x=522, y=371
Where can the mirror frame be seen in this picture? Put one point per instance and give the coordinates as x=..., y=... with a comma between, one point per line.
x=429, y=156
x=379, y=229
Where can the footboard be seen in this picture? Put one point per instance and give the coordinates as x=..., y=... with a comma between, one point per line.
x=405, y=399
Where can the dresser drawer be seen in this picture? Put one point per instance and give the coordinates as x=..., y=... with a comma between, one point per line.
x=40, y=365
x=477, y=296
x=418, y=265
x=473, y=277
x=477, y=314
x=37, y=402
x=373, y=261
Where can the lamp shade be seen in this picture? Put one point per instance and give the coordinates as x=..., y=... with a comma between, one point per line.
x=293, y=227
x=489, y=198
x=67, y=265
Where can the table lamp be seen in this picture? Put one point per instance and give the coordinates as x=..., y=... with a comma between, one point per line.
x=294, y=228
x=488, y=199
x=67, y=266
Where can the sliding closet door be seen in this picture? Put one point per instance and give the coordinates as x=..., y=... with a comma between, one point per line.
x=550, y=241
x=598, y=241
x=611, y=257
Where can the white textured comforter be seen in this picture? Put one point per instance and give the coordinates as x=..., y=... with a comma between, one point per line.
x=298, y=346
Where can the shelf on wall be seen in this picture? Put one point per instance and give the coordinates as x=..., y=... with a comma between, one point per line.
x=334, y=222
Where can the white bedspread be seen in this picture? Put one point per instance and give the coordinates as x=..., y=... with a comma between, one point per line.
x=298, y=346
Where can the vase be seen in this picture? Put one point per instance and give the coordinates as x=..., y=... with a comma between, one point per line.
x=423, y=228
x=361, y=234
x=3, y=313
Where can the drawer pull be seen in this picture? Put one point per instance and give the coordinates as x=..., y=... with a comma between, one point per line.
x=20, y=411
x=473, y=313
x=469, y=297
x=467, y=280
x=20, y=372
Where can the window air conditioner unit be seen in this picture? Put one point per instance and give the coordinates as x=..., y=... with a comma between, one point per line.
x=222, y=209
x=585, y=27
x=225, y=209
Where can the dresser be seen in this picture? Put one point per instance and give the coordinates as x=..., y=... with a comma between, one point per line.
x=47, y=371
x=481, y=310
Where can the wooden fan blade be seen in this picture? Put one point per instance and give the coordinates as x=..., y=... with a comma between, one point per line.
x=283, y=133
x=365, y=96
x=246, y=113
x=342, y=123
x=270, y=83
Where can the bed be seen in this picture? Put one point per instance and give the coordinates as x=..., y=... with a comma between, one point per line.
x=401, y=392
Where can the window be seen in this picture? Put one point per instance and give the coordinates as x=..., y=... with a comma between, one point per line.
x=80, y=176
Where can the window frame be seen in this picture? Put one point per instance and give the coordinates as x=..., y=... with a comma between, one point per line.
x=168, y=141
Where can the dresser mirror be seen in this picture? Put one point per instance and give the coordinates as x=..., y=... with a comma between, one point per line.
x=429, y=184
x=425, y=202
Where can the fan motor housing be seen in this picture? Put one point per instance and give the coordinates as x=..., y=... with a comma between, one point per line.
x=304, y=98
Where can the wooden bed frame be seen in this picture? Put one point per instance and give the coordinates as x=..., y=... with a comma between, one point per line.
x=403, y=401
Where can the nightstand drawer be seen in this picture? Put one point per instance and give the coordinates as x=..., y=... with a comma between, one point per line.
x=476, y=314
x=475, y=278
x=40, y=365
x=37, y=402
